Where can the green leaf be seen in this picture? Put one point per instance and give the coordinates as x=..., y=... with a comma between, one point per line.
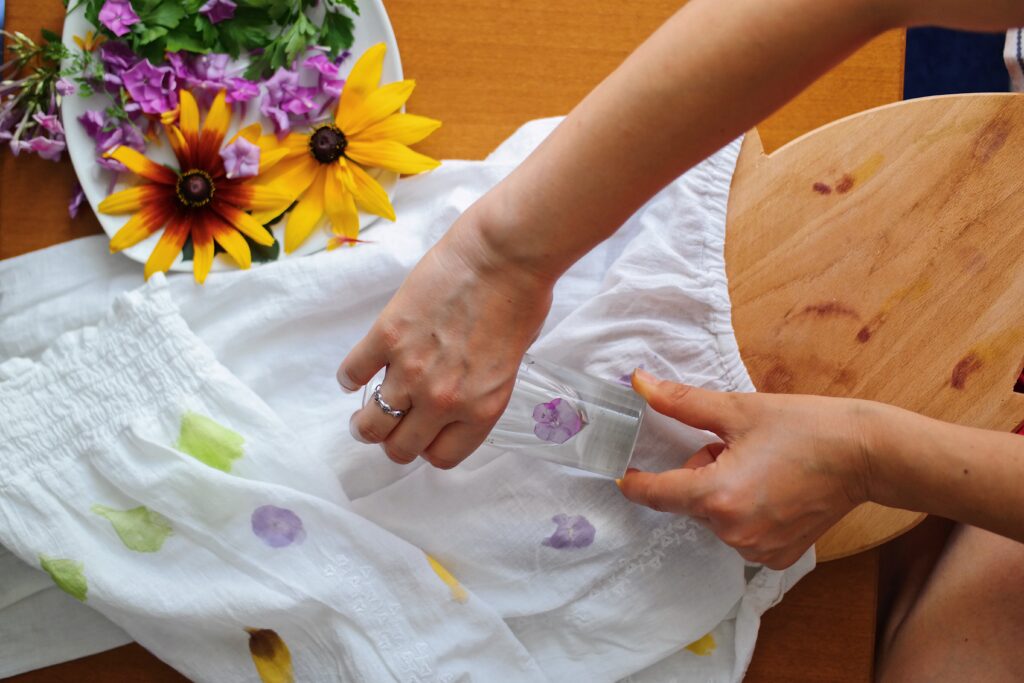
x=140, y=529
x=68, y=575
x=148, y=35
x=262, y=254
x=50, y=36
x=209, y=442
x=350, y=4
x=337, y=32
x=167, y=14
x=183, y=40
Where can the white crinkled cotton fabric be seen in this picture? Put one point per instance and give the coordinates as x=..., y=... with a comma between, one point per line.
x=99, y=383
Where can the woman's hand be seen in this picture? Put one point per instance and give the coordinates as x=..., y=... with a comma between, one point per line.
x=452, y=339
x=787, y=469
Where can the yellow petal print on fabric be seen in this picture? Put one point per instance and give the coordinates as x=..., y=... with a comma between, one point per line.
x=270, y=655
x=209, y=442
x=140, y=529
x=459, y=593
x=703, y=647
x=68, y=575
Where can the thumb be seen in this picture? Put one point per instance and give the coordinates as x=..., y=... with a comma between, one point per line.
x=696, y=407
x=681, y=491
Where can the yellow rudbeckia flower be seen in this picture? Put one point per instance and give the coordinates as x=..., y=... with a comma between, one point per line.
x=325, y=169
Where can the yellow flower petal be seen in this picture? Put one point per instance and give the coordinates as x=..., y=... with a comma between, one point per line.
x=459, y=593
x=269, y=158
x=339, y=202
x=291, y=176
x=306, y=214
x=370, y=196
x=405, y=128
x=704, y=646
x=375, y=107
x=202, y=252
x=178, y=146
x=215, y=127
x=188, y=119
x=233, y=243
x=140, y=165
x=167, y=249
x=389, y=154
x=244, y=223
x=362, y=80
x=270, y=655
x=255, y=197
x=252, y=133
x=132, y=199
x=140, y=226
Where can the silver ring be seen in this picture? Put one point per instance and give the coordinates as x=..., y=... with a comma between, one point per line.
x=388, y=410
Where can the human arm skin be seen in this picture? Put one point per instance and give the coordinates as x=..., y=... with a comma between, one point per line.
x=789, y=467
x=453, y=335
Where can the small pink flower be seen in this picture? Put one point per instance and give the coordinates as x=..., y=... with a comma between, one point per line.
x=154, y=88
x=118, y=15
x=557, y=421
x=241, y=159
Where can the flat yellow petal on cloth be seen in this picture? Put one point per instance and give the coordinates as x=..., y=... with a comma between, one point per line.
x=132, y=199
x=141, y=166
x=169, y=246
x=232, y=242
x=306, y=214
x=202, y=249
x=459, y=593
x=369, y=195
x=361, y=81
x=188, y=119
x=405, y=128
x=244, y=223
x=391, y=155
x=148, y=220
x=271, y=656
x=375, y=107
x=339, y=202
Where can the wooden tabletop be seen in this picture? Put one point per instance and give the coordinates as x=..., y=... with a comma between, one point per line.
x=485, y=68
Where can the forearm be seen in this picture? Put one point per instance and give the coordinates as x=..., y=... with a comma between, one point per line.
x=974, y=476
x=712, y=71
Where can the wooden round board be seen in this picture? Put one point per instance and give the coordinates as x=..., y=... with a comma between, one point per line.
x=882, y=257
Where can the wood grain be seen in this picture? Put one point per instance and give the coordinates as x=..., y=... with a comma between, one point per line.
x=486, y=68
x=879, y=257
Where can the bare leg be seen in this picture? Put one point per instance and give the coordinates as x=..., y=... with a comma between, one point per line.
x=965, y=621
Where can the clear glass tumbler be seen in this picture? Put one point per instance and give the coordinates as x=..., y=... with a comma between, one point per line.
x=567, y=417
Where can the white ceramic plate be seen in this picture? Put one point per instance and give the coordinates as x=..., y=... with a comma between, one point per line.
x=371, y=26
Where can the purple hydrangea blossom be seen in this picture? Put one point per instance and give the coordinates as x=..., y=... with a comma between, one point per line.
x=574, y=531
x=328, y=80
x=241, y=159
x=218, y=10
x=108, y=134
x=277, y=527
x=286, y=99
x=118, y=16
x=116, y=58
x=65, y=87
x=154, y=88
x=77, y=198
x=557, y=421
x=206, y=75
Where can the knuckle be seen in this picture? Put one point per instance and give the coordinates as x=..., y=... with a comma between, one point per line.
x=413, y=372
x=370, y=432
x=445, y=399
x=390, y=336
x=483, y=412
x=399, y=454
x=442, y=462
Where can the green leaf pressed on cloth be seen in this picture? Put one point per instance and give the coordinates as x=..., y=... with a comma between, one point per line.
x=69, y=576
x=209, y=442
x=140, y=529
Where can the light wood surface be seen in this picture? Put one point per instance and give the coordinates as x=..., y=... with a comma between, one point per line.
x=879, y=257
x=485, y=68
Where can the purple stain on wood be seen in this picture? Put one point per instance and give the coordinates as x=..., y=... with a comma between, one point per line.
x=967, y=366
x=845, y=184
x=829, y=309
x=778, y=380
x=864, y=335
x=822, y=188
x=991, y=139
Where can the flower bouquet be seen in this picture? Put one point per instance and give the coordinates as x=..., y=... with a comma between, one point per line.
x=207, y=134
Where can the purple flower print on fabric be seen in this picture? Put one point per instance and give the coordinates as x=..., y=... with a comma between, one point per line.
x=557, y=421
x=277, y=527
x=574, y=531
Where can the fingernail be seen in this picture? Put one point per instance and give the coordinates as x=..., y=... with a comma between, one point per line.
x=355, y=432
x=346, y=383
x=618, y=482
x=644, y=376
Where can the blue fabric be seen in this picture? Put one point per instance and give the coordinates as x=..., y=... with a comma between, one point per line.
x=942, y=62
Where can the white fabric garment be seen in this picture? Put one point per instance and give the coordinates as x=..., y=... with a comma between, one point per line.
x=256, y=352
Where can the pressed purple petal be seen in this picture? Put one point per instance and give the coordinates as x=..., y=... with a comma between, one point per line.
x=241, y=159
x=277, y=527
x=218, y=10
x=118, y=16
x=573, y=531
x=557, y=421
x=77, y=197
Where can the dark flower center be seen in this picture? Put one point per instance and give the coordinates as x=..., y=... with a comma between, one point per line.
x=327, y=143
x=195, y=188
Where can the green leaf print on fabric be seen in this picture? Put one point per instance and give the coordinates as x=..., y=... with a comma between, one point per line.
x=68, y=575
x=140, y=529
x=209, y=442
